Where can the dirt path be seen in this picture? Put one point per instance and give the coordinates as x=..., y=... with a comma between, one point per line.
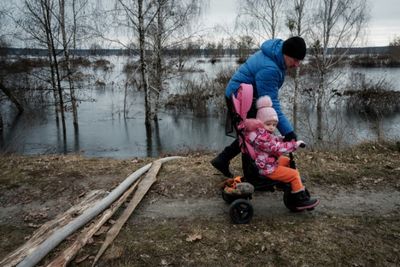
x=266, y=204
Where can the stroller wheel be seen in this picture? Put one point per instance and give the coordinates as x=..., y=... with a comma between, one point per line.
x=241, y=211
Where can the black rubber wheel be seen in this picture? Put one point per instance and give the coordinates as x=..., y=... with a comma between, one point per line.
x=227, y=198
x=241, y=211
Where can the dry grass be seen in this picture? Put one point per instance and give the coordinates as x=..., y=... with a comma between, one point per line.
x=308, y=239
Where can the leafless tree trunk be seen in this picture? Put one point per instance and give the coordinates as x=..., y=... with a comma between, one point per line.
x=158, y=68
x=68, y=62
x=13, y=99
x=336, y=24
x=48, y=12
x=143, y=66
x=295, y=23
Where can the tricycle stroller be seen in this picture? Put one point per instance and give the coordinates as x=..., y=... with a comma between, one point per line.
x=238, y=191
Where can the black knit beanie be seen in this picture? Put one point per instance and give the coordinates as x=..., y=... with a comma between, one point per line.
x=294, y=47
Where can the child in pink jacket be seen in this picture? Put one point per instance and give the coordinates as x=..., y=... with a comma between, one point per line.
x=269, y=150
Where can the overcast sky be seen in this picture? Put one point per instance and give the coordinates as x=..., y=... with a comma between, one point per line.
x=383, y=26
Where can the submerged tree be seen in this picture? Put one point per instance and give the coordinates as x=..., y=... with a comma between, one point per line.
x=41, y=26
x=3, y=64
x=69, y=18
x=337, y=25
x=297, y=23
x=394, y=49
x=53, y=25
x=171, y=27
x=137, y=16
x=152, y=26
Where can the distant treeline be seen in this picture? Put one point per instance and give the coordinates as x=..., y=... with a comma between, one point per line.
x=379, y=50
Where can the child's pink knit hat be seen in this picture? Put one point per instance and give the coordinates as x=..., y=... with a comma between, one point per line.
x=265, y=112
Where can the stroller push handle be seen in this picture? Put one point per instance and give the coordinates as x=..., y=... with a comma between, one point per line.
x=292, y=162
x=301, y=144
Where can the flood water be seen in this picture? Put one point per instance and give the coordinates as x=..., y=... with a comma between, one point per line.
x=104, y=132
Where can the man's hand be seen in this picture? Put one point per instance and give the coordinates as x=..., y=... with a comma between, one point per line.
x=290, y=137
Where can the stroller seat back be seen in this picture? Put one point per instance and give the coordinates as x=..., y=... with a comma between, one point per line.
x=242, y=103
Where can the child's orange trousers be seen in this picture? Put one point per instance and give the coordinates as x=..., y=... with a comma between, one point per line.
x=286, y=174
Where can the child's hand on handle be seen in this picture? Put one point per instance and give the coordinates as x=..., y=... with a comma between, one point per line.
x=300, y=143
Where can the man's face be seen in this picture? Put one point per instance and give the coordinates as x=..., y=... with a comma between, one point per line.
x=291, y=62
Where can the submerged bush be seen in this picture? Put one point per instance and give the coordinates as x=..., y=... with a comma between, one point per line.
x=24, y=65
x=130, y=67
x=374, y=99
x=199, y=95
x=80, y=62
x=375, y=61
x=102, y=64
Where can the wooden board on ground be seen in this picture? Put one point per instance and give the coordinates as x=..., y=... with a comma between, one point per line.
x=143, y=187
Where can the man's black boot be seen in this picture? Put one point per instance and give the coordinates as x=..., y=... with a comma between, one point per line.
x=221, y=164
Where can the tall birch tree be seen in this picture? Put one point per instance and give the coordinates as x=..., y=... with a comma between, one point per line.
x=336, y=24
x=297, y=23
x=42, y=26
x=171, y=27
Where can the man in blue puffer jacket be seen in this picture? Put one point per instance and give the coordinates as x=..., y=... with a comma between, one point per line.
x=265, y=70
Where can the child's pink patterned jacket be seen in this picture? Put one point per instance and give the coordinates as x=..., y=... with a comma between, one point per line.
x=268, y=148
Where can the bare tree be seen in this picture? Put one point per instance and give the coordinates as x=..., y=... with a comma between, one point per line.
x=153, y=25
x=3, y=46
x=244, y=46
x=69, y=30
x=297, y=23
x=11, y=96
x=171, y=27
x=394, y=48
x=336, y=24
x=137, y=17
x=65, y=44
x=261, y=16
x=42, y=26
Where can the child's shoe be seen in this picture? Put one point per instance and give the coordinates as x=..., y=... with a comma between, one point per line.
x=302, y=201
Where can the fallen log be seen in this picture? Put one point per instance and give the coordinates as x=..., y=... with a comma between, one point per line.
x=143, y=187
x=68, y=254
x=50, y=227
x=56, y=238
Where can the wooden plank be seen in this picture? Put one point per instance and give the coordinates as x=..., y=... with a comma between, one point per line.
x=143, y=187
x=49, y=228
x=68, y=254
